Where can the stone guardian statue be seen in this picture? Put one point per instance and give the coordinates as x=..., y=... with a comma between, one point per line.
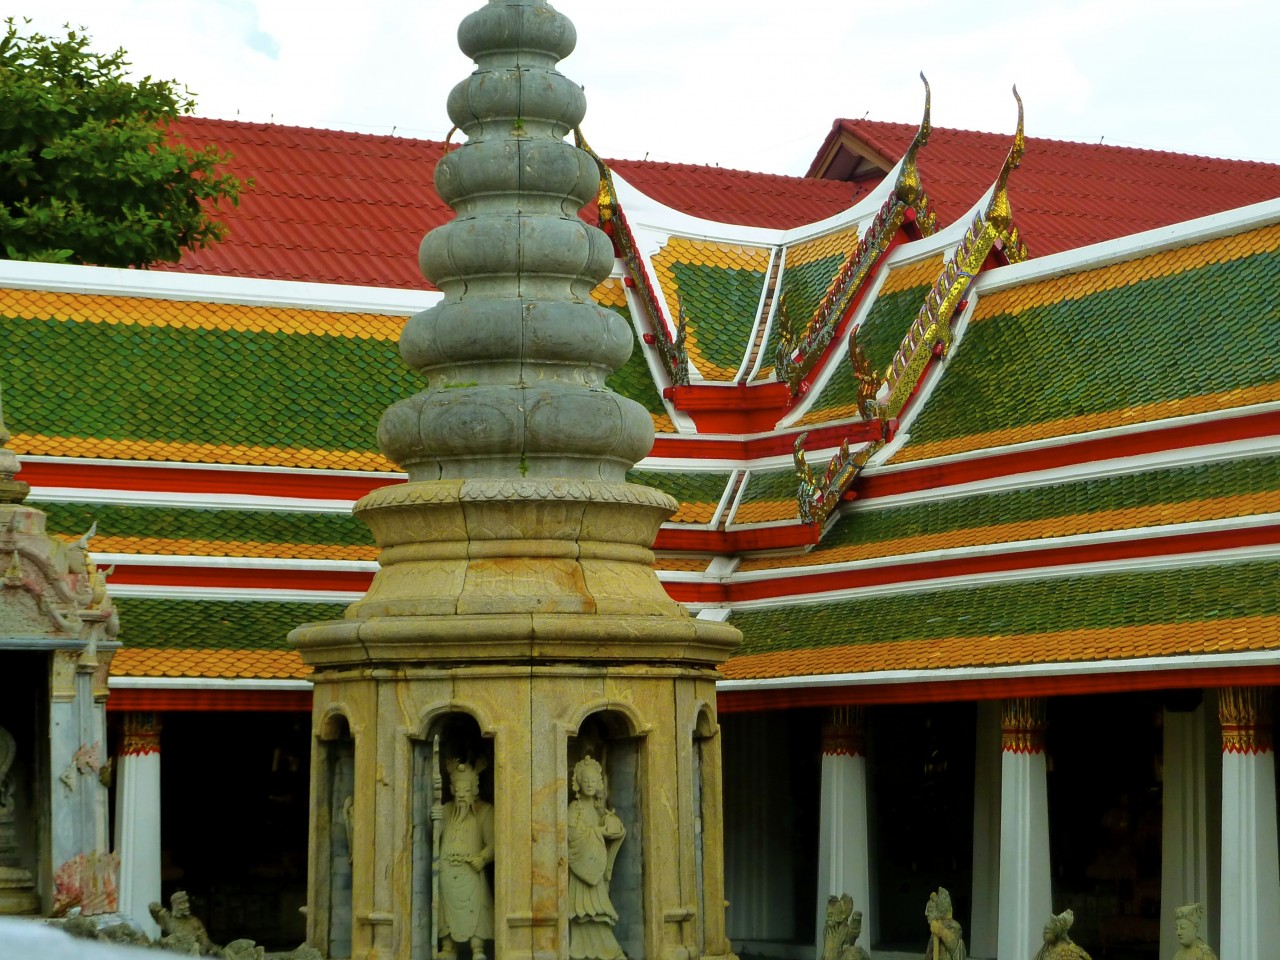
x=1058, y=944
x=841, y=931
x=946, y=936
x=466, y=848
x=595, y=833
x=1186, y=928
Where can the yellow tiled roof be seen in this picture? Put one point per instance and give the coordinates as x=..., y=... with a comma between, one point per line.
x=216, y=664
x=914, y=274
x=1107, y=643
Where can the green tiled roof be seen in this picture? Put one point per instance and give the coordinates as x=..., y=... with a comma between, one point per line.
x=633, y=378
x=803, y=287
x=886, y=324
x=720, y=305
x=133, y=381
x=1119, y=492
x=188, y=523
x=1185, y=595
x=1206, y=330
x=215, y=624
x=687, y=486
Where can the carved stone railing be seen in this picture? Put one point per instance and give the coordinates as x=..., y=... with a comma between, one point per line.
x=930, y=333
x=799, y=350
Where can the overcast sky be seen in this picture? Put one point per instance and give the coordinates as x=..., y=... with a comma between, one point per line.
x=748, y=84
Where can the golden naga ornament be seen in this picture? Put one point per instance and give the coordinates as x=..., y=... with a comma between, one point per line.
x=800, y=349
x=931, y=332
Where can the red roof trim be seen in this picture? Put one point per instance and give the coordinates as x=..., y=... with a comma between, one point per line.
x=217, y=699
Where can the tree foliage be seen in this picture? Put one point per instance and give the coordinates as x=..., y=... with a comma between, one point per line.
x=89, y=172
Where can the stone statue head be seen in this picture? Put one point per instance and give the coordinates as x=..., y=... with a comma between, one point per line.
x=588, y=778
x=1057, y=926
x=939, y=905
x=1186, y=923
x=180, y=904
x=464, y=781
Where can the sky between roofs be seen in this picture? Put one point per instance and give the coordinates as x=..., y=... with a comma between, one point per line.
x=751, y=84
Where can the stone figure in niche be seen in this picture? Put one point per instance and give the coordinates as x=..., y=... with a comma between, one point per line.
x=842, y=929
x=946, y=937
x=595, y=833
x=466, y=848
x=1186, y=928
x=179, y=930
x=1058, y=944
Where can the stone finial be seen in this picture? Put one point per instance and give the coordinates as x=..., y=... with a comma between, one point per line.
x=517, y=354
x=11, y=489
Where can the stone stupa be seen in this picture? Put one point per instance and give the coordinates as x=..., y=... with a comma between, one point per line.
x=516, y=640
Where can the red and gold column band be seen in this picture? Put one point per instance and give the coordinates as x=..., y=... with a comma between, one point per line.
x=1022, y=725
x=845, y=733
x=141, y=735
x=1245, y=715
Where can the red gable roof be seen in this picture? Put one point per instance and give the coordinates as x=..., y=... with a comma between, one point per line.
x=1065, y=195
x=351, y=208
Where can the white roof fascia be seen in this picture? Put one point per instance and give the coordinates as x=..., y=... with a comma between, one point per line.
x=201, y=501
x=207, y=288
x=220, y=467
x=1137, y=245
x=1147, y=426
x=232, y=562
x=1074, y=668
x=205, y=683
x=1162, y=562
x=1011, y=547
x=164, y=592
x=1087, y=470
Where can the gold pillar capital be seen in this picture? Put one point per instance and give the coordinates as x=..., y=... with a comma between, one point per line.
x=1022, y=725
x=844, y=733
x=141, y=735
x=1245, y=716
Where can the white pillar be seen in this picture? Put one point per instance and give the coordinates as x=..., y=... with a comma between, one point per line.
x=1250, y=852
x=843, y=854
x=984, y=923
x=1184, y=870
x=1025, y=894
x=138, y=818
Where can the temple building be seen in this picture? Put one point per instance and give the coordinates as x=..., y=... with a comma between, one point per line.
x=976, y=439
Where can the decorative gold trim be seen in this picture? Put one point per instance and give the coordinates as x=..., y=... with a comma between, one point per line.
x=1245, y=716
x=930, y=333
x=818, y=499
x=1022, y=725
x=844, y=734
x=799, y=350
x=141, y=735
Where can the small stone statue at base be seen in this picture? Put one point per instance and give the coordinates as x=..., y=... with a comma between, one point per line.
x=946, y=936
x=1186, y=927
x=1058, y=944
x=842, y=929
x=180, y=932
x=595, y=832
x=466, y=848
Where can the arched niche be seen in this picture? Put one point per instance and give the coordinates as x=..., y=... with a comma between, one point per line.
x=336, y=780
x=446, y=735
x=612, y=737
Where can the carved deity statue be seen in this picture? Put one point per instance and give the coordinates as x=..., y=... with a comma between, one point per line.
x=1058, y=944
x=180, y=932
x=1186, y=927
x=595, y=833
x=946, y=937
x=842, y=929
x=466, y=848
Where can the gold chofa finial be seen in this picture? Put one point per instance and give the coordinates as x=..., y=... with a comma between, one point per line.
x=908, y=186
x=999, y=210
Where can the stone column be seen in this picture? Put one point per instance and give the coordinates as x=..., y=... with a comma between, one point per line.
x=1250, y=860
x=1025, y=895
x=1184, y=871
x=138, y=817
x=984, y=922
x=844, y=864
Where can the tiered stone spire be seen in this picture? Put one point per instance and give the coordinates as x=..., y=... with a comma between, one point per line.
x=516, y=615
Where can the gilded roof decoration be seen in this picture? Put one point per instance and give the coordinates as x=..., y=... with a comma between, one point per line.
x=613, y=221
x=801, y=347
x=818, y=498
x=932, y=327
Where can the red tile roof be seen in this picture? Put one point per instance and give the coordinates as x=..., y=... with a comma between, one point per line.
x=351, y=208
x=1066, y=195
